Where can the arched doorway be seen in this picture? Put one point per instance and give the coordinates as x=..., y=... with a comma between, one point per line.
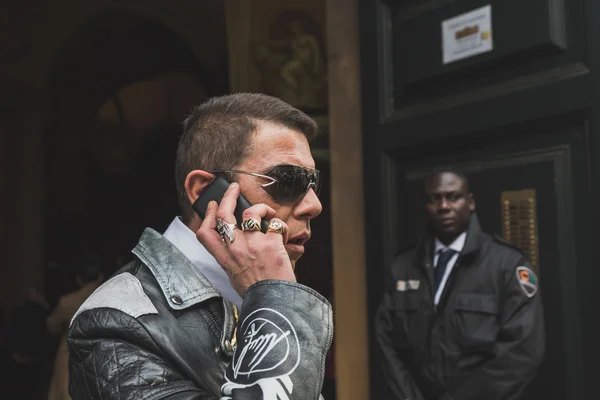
x=120, y=89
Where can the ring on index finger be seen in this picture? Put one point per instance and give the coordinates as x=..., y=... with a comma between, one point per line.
x=226, y=231
x=275, y=226
x=251, y=224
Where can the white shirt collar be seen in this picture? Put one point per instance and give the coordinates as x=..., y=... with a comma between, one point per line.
x=458, y=244
x=185, y=240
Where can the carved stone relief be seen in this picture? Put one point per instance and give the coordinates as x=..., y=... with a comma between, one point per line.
x=292, y=60
x=278, y=48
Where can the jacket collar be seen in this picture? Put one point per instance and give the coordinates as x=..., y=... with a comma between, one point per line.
x=474, y=236
x=181, y=283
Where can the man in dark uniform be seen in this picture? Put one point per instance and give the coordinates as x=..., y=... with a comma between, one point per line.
x=462, y=318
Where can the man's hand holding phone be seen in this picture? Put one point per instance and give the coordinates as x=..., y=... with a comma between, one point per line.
x=253, y=256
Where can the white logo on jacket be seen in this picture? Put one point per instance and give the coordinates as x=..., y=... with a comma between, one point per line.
x=269, y=352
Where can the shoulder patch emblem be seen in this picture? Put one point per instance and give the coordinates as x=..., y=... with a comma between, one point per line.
x=527, y=280
x=122, y=292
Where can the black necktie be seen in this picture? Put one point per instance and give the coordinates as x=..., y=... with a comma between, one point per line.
x=440, y=268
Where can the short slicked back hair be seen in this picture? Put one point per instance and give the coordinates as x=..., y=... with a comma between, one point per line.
x=217, y=133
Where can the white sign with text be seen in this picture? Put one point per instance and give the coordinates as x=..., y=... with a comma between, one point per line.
x=467, y=35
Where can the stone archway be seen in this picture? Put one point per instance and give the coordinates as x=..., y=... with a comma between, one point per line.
x=114, y=92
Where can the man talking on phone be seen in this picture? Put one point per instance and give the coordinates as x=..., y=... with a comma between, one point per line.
x=211, y=308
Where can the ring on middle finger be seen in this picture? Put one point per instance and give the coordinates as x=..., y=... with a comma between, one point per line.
x=226, y=230
x=251, y=224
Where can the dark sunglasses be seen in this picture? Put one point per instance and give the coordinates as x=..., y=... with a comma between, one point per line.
x=287, y=183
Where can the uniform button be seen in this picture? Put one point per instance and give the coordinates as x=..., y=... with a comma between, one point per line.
x=217, y=349
x=176, y=300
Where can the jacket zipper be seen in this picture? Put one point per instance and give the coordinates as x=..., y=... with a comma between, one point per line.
x=229, y=338
x=441, y=306
x=448, y=287
x=215, y=324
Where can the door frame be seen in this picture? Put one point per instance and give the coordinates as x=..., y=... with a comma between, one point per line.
x=347, y=201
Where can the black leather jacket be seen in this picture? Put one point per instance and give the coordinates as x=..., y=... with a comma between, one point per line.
x=159, y=330
x=484, y=340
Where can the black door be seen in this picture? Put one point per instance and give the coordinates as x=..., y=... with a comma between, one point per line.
x=514, y=102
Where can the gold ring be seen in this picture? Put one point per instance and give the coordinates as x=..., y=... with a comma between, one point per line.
x=275, y=227
x=251, y=225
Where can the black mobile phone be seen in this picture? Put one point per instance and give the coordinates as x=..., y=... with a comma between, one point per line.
x=215, y=191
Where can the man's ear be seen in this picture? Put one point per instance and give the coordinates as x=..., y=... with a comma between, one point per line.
x=195, y=183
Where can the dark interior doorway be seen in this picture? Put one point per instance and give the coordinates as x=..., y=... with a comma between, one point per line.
x=522, y=116
x=121, y=88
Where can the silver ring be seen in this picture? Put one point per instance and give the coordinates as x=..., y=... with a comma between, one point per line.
x=251, y=224
x=226, y=230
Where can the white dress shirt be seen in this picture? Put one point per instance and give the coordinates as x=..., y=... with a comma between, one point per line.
x=185, y=240
x=457, y=246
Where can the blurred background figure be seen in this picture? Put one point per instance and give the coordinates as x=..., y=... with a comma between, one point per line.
x=27, y=345
x=88, y=277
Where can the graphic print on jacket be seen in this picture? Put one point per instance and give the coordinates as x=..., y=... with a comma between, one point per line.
x=268, y=354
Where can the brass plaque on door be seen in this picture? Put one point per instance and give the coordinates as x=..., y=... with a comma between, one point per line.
x=519, y=222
